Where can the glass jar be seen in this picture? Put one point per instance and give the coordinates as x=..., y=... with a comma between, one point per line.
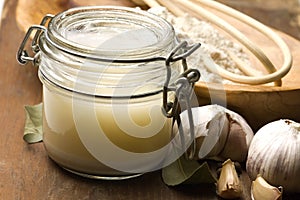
x=106, y=71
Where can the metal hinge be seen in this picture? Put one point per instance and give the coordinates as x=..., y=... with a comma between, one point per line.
x=23, y=56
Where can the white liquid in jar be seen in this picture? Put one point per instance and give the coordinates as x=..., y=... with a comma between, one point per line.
x=64, y=145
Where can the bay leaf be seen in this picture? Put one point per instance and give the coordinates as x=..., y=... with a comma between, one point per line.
x=184, y=171
x=33, y=124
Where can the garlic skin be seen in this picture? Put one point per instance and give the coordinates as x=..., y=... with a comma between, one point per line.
x=211, y=142
x=275, y=154
x=220, y=133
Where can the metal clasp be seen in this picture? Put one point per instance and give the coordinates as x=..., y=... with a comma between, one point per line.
x=183, y=92
x=23, y=56
x=192, y=74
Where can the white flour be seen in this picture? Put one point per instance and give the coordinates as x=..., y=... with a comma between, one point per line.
x=213, y=44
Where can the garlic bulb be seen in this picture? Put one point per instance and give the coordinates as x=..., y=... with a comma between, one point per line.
x=275, y=154
x=220, y=133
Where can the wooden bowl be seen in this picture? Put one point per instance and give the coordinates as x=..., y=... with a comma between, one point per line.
x=258, y=104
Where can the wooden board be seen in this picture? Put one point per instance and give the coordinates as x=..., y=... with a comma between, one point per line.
x=26, y=171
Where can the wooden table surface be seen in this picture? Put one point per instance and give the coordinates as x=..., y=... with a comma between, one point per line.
x=26, y=172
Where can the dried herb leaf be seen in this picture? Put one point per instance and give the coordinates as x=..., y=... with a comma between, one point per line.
x=184, y=171
x=33, y=124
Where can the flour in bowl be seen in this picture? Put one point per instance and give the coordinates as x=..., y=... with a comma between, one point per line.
x=213, y=44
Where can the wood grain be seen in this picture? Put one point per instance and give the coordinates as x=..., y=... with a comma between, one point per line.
x=26, y=171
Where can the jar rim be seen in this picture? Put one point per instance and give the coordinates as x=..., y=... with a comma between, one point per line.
x=76, y=19
x=106, y=72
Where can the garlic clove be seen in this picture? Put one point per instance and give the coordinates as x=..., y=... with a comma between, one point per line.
x=228, y=185
x=261, y=189
x=238, y=140
x=243, y=125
